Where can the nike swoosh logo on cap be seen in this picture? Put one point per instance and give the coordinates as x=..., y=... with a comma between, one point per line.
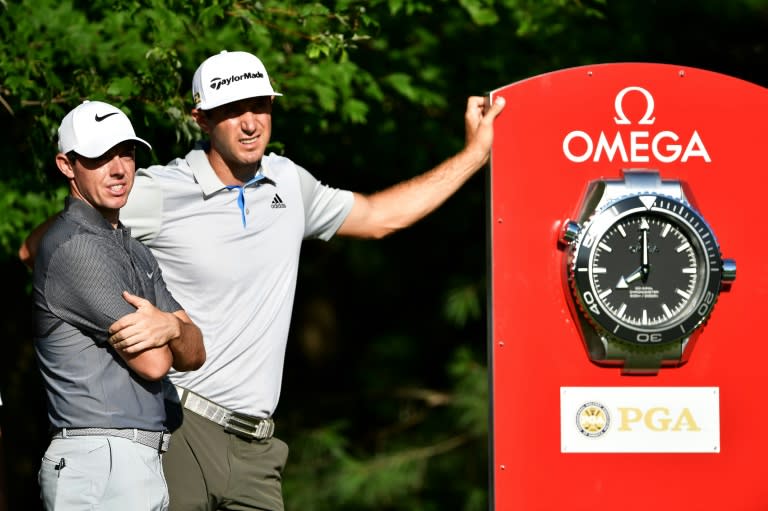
x=101, y=118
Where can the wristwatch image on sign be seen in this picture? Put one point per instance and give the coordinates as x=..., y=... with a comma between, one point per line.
x=644, y=271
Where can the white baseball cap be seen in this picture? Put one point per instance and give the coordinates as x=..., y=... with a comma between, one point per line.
x=93, y=127
x=230, y=76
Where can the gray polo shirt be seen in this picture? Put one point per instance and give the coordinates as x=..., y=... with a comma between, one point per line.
x=231, y=256
x=83, y=265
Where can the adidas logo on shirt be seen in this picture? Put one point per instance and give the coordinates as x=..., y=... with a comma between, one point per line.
x=277, y=202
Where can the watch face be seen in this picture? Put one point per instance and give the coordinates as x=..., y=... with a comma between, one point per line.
x=646, y=269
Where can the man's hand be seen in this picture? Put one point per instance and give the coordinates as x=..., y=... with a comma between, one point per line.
x=478, y=123
x=148, y=327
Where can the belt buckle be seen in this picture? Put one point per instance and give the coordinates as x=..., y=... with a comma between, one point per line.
x=245, y=427
x=165, y=441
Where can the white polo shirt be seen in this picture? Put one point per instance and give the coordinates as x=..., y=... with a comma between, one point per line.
x=231, y=260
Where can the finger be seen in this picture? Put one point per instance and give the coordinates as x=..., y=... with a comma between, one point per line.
x=117, y=326
x=496, y=108
x=475, y=102
x=126, y=338
x=119, y=342
x=134, y=300
x=133, y=348
x=122, y=323
x=475, y=106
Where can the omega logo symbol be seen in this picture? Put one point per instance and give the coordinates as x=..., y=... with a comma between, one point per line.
x=638, y=145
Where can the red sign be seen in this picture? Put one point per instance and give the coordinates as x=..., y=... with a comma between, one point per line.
x=558, y=132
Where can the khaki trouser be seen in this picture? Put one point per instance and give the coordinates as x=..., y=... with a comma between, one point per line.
x=208, y=469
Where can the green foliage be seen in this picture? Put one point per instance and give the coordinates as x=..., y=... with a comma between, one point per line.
x=20, y=212
x=481, y=11
x=463, y=304
x=329, y=477
x=548, y=18
x=471, y=392
x=335, y=468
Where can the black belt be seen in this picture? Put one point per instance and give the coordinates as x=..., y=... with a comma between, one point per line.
x=244, y=426
x=155, y=439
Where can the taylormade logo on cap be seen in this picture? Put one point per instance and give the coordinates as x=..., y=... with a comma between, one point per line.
x=93, y=128
x=216, y=83
x=228, y=77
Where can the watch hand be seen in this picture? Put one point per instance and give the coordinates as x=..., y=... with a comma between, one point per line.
x=625, y=281
x=645, y=267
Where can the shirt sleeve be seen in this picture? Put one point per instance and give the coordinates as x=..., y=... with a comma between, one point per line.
x=325, y=207
x=143, y=211
x=86, y=291
x=162, y=297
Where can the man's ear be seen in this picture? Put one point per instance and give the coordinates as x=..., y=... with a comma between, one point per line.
x=201, y=119
x=65, y=166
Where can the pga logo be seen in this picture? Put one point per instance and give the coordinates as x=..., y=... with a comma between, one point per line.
x=657, y=419
x=594, y=420
x=638, y=145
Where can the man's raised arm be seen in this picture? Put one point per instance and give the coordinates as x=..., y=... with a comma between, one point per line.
x=399, y=206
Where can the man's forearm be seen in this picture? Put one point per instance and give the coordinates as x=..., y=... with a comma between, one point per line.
x=399, y=206
x=406, y=203
x=188, y=348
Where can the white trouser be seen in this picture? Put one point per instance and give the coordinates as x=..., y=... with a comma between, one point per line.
x=102, y=473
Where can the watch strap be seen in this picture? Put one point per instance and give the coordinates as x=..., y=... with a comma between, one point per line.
x=636, y=182
x=638, y=358
x=643, y=359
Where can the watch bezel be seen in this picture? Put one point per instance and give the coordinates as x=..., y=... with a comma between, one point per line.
x=689, y=220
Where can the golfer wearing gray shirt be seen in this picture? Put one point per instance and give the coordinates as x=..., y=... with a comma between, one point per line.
x=105, y=405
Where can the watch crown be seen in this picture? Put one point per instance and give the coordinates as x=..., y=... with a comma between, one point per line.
x=570, y=231
x=729, y=270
